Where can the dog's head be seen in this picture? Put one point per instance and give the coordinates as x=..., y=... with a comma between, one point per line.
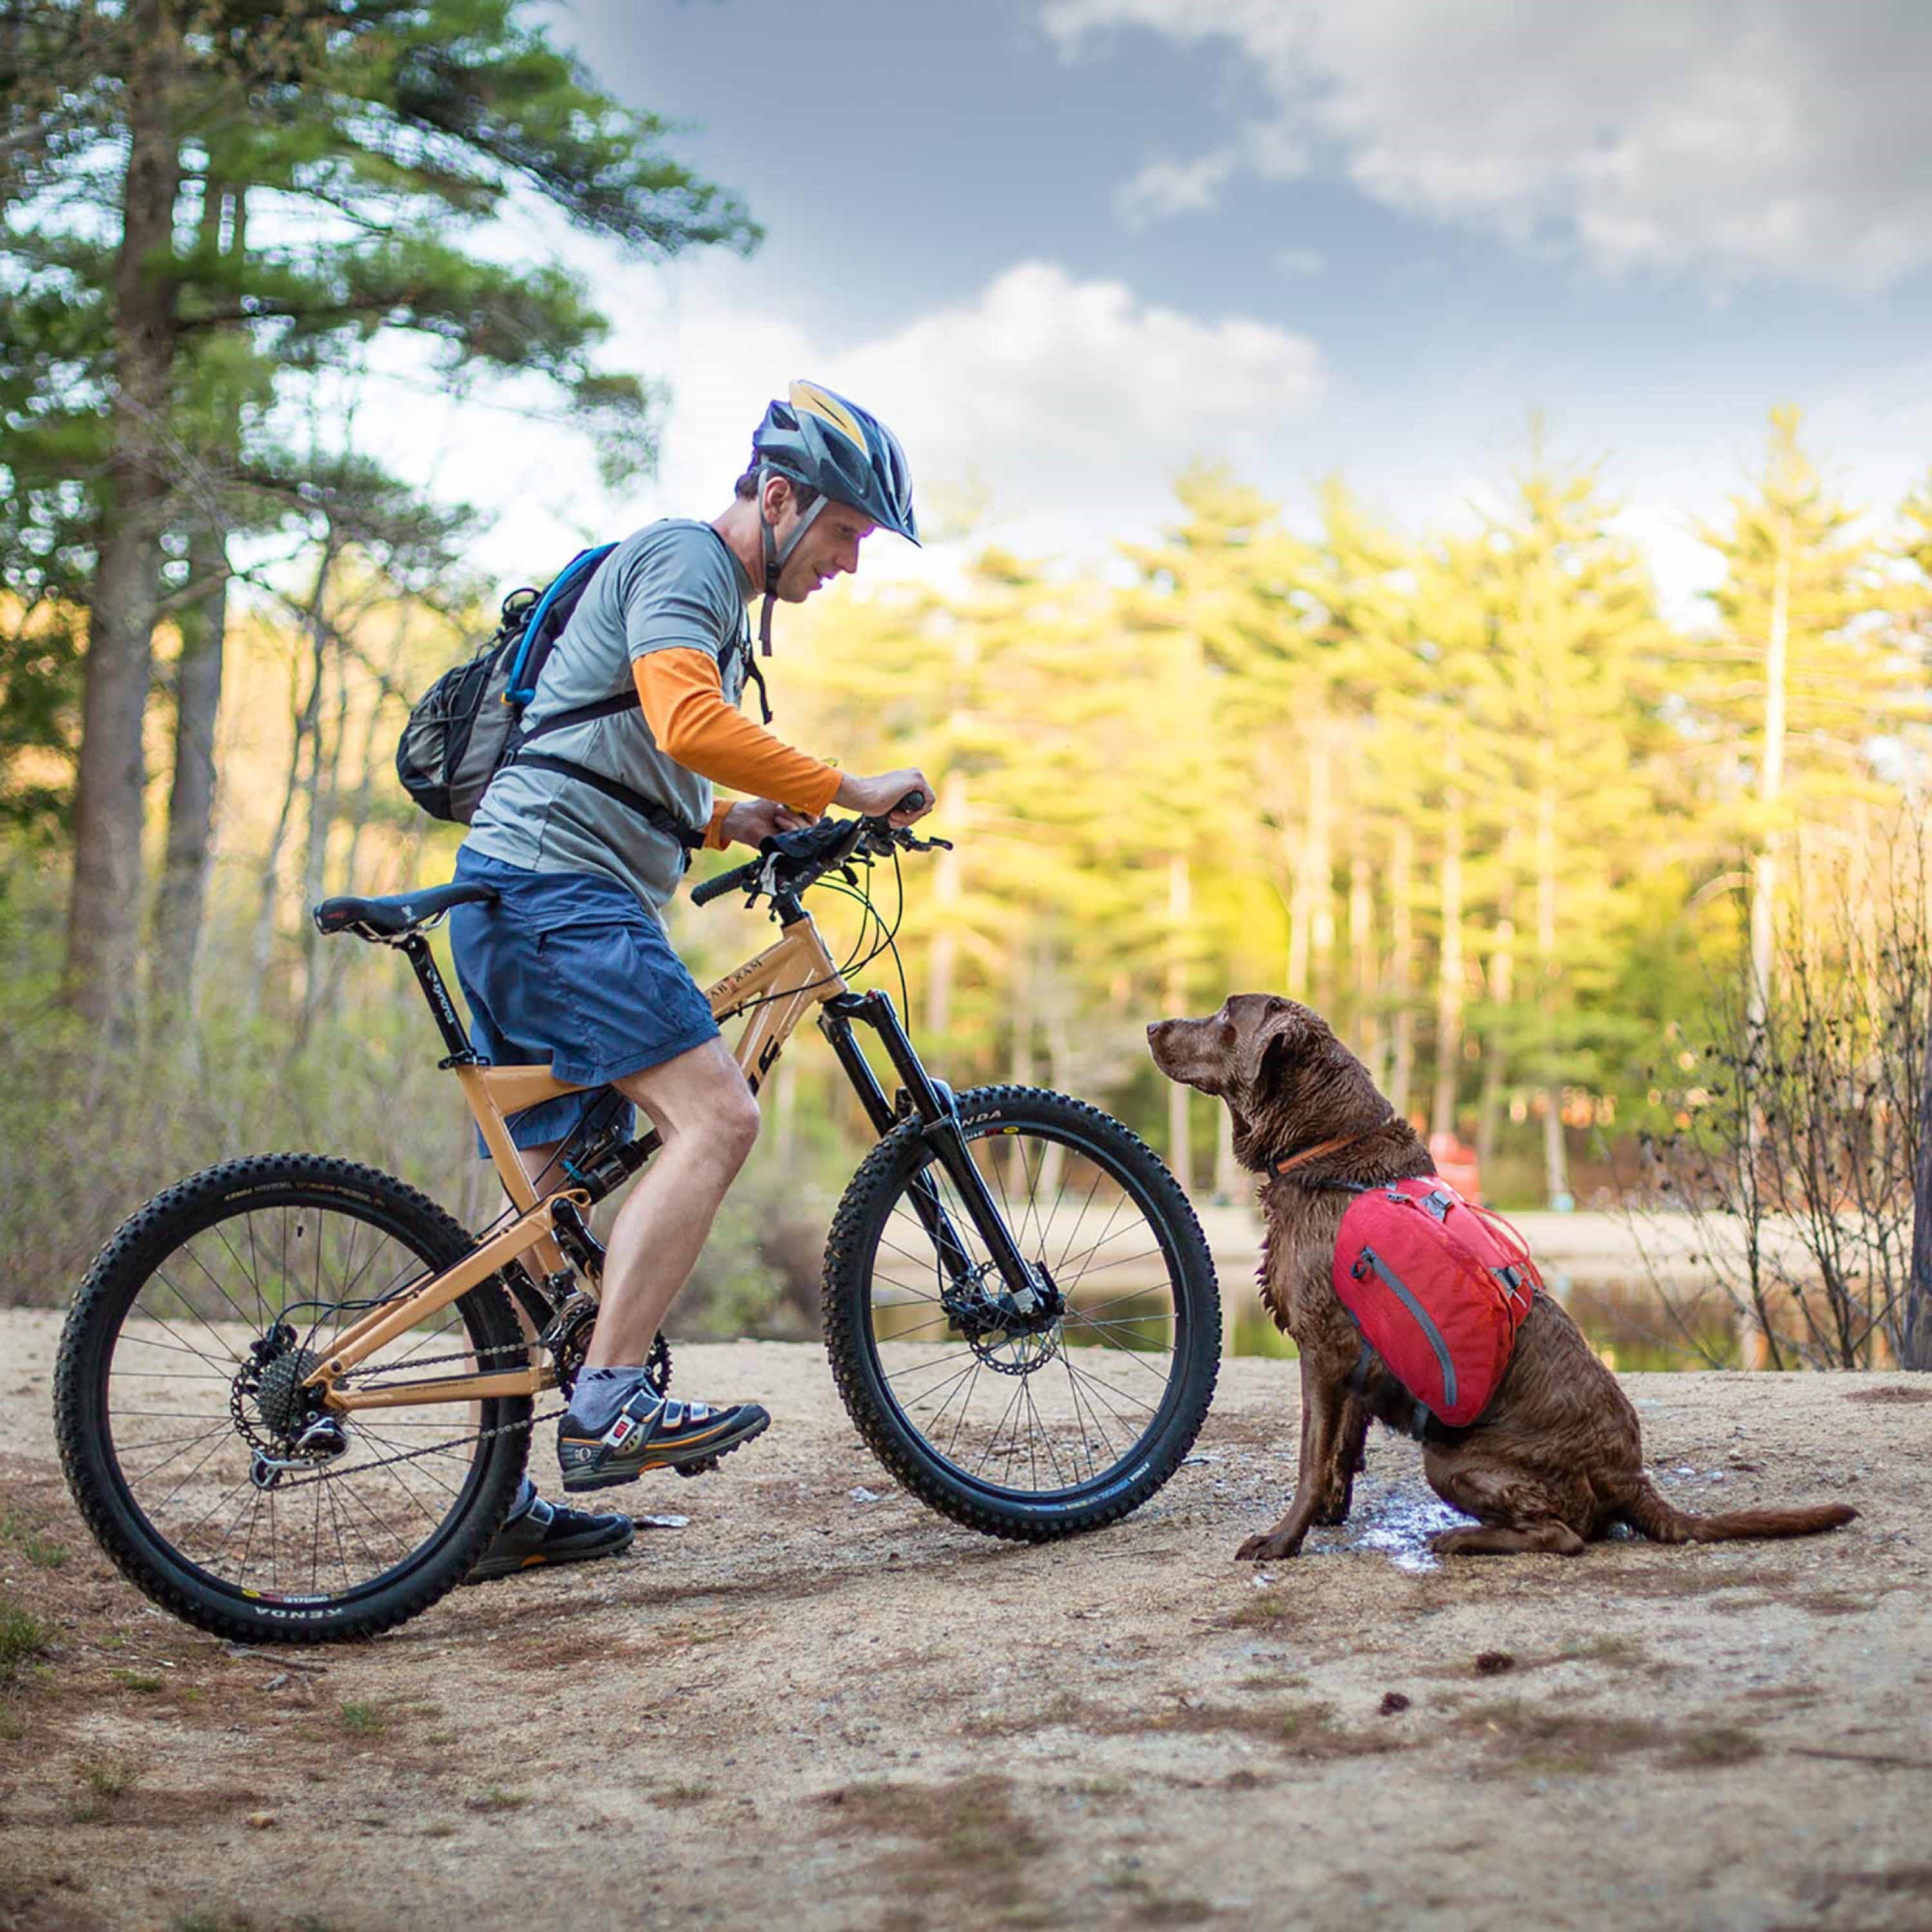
x=1286, y=1078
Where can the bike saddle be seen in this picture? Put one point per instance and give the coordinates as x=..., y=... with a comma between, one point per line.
x=401, y=913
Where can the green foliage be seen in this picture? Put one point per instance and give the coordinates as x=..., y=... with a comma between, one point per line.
x=23, y=1638
x=338, y=167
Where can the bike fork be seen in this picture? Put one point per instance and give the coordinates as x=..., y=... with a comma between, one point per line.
x=939, y=1125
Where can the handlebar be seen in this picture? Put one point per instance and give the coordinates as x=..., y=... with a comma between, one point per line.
x=791, y=861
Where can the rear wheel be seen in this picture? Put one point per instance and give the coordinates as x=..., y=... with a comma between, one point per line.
x=202, y=1465
x=1036, y=1427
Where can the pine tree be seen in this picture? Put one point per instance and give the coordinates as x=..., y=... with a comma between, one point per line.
x=1797, y=682
x=367, y=138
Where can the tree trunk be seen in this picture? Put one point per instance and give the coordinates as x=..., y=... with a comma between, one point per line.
x=1317, y=871
x=184, y=894
x=1402, y=965
x=1362, y=961
x=1019, y=1056
x=1755, y=1342
x=1916, y=1328
x=1555, y=1152
x=947, y=882
x=104, y=911
x=1502, y=990
x=1449, y=968
x=304, y=719
x=1770, y=787
x=324, y=788
x=1179, y=909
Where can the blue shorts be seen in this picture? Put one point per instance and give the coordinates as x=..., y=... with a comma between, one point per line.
x=569, y=970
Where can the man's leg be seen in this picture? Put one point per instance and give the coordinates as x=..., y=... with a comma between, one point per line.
x=707, y=1122
x=537, y=1533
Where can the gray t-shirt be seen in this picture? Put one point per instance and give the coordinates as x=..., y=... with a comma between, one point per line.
x=672, y=586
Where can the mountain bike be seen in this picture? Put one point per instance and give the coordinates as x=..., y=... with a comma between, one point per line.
x=294, y=1397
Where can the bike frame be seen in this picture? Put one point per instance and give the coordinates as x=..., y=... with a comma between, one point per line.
x=778, y=986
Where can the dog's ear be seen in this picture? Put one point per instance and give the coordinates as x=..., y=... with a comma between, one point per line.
x=1278, y=1046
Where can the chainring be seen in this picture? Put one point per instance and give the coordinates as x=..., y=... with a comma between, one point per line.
x=570, y=1340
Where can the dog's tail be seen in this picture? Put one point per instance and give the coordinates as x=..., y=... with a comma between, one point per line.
x=1648, y=1513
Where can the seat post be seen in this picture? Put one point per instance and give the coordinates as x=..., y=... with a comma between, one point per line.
x=448, y=1021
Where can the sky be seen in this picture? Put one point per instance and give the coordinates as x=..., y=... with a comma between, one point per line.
x=1066, y=248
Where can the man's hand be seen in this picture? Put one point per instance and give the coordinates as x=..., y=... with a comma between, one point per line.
x=753, y=819
x=875, y=797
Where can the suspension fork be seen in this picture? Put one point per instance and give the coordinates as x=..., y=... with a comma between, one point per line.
x=939, y=1116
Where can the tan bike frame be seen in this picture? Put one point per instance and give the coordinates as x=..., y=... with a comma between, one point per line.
x=789, y=976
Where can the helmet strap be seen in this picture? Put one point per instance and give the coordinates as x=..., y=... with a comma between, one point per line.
x=777, y=555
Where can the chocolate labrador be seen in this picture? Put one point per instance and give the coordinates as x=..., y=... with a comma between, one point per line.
x=1555, y=1459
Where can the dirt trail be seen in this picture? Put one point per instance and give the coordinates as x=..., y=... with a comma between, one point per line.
x=808, y=1710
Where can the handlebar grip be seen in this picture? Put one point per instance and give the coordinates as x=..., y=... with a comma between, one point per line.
x=735, y=880
x=914, y=800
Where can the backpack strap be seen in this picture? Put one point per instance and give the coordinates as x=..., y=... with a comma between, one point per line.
x=654, y=815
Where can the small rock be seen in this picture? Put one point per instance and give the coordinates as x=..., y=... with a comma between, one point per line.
x=1494, y=1662
x=261, y=1821
x=862, y=1495
x=662, y=1521
x=276, y=1682
x=1392, y=1701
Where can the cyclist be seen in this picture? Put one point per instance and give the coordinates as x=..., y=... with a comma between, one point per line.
x=585, y=842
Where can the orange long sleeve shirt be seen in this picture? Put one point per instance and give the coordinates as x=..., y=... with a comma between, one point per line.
x=684, y=705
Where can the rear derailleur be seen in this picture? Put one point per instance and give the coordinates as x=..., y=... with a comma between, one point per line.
x=290, y=1430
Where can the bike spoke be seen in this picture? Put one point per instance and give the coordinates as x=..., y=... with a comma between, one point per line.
x=1054, y=1429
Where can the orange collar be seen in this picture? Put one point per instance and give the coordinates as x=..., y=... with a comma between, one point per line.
x=1321, y=1147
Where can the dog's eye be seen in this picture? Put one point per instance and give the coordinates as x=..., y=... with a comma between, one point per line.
x=1229, y=1033
x=1276, y=1005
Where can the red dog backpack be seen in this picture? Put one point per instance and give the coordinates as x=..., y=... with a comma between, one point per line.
x=1438, y=1288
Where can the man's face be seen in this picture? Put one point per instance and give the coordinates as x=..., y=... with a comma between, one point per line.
x=829, y=549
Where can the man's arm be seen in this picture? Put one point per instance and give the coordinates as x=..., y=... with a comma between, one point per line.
x=684, y=704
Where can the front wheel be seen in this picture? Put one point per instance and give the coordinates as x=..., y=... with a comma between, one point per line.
x=1031, y=1427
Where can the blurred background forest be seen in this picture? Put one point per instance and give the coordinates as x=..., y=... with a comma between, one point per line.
x=1579, y=883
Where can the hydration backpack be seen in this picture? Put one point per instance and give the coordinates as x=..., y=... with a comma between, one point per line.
x=468, y=724
x=1438, y=1288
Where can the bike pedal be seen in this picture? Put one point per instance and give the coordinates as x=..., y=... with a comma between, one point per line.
x=699, y=1468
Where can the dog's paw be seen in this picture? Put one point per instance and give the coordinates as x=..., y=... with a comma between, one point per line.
x=1266, y=1549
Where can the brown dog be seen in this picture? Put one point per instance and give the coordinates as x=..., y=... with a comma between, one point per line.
x=1554, y=1460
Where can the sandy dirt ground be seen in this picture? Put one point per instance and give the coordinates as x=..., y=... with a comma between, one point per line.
x=820, y=1706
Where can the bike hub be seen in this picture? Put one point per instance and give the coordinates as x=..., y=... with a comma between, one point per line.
x=1010, y=1340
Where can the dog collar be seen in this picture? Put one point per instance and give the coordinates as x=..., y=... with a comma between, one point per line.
x=1321, y=1147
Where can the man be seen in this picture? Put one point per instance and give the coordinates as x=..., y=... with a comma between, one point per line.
x=586, y=841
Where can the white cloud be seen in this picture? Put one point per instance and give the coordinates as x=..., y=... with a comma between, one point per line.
x=1065, y=407
x=1165, y=187
x=1044, y=386
x=1772, y=135
x=1300, y=261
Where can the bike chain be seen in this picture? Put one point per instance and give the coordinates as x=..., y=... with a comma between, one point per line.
x=412, y=1455
x=441, y=1448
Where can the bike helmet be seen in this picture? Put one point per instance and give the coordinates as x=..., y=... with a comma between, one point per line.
x=842, y=451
